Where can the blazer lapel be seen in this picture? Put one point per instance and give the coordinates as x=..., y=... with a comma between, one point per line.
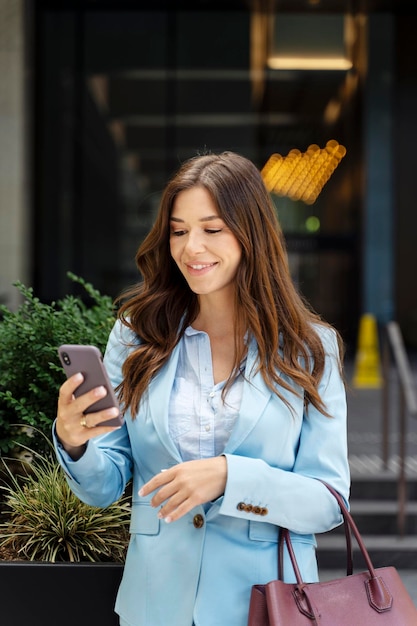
x=158, y=401
x=256, y=396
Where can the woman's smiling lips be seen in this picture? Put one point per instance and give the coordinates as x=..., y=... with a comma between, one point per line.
x=197, y=269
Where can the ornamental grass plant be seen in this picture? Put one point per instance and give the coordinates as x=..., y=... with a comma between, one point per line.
x=45, y=521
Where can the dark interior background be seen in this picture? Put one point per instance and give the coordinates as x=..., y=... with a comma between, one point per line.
x=123, y=92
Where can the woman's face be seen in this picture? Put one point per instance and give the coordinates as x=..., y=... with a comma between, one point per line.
x=204, y=248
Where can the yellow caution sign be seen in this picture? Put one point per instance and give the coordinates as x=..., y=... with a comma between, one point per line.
x=367, y=370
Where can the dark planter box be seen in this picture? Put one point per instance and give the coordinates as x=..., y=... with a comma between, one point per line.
x=64, y=594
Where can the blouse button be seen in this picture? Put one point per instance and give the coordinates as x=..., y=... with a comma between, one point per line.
x=198, y=521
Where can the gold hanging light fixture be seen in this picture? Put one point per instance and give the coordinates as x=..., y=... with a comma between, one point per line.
x=302, y=175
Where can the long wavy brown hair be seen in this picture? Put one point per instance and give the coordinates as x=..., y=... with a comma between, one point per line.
x=267, y=305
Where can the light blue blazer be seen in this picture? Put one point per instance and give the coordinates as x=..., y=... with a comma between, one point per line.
x=201, y=569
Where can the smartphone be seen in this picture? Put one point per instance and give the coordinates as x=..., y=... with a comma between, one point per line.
x=89, y=361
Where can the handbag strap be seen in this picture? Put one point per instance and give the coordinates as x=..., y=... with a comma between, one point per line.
x=379, y=596
x=349, y=526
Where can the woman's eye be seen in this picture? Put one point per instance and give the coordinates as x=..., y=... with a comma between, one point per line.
x=177, y=233
x=212, y=231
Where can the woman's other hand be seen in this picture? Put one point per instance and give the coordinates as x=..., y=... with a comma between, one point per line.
x=183, y=487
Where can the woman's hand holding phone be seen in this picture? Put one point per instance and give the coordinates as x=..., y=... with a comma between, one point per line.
x=87, y=406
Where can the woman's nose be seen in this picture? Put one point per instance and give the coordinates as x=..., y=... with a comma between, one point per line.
x=194, y=242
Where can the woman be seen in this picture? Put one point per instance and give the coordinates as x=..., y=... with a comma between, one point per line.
x=234, y=406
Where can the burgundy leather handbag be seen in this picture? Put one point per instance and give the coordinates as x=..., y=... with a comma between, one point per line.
x=376, y=597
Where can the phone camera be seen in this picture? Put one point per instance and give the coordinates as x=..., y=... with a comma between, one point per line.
x=66, y=358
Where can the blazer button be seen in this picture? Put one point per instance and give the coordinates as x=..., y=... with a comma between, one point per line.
x=198, y=521
x=264, y=511
x=242, y=506
x=257, y=510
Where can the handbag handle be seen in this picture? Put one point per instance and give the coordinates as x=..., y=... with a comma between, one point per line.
x=284, y=537
x=379, y=596
x=350, y=526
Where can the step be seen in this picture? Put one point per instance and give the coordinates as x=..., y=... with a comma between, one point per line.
x=381, y=486
x=380, y=517
x=400, y=552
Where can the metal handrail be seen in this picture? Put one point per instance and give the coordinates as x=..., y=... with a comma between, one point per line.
x=393, y=344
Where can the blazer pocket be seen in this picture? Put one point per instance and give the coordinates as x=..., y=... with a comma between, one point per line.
x=144, y=520
x=263, y=531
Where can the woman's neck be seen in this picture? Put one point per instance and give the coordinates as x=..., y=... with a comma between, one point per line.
x=218, y=322
x=215, y=318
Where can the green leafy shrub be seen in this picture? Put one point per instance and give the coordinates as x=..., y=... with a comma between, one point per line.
x=30, y=370
x=45, y=521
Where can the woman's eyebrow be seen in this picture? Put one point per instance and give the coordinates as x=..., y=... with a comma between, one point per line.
x=209, y=218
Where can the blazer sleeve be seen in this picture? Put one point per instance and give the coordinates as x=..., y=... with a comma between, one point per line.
x=296, y=499
x=100, y=476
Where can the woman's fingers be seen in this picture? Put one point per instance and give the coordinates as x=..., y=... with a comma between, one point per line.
x=80, y=404
x=67, y=388
x=181, y=488
x=74, y=427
